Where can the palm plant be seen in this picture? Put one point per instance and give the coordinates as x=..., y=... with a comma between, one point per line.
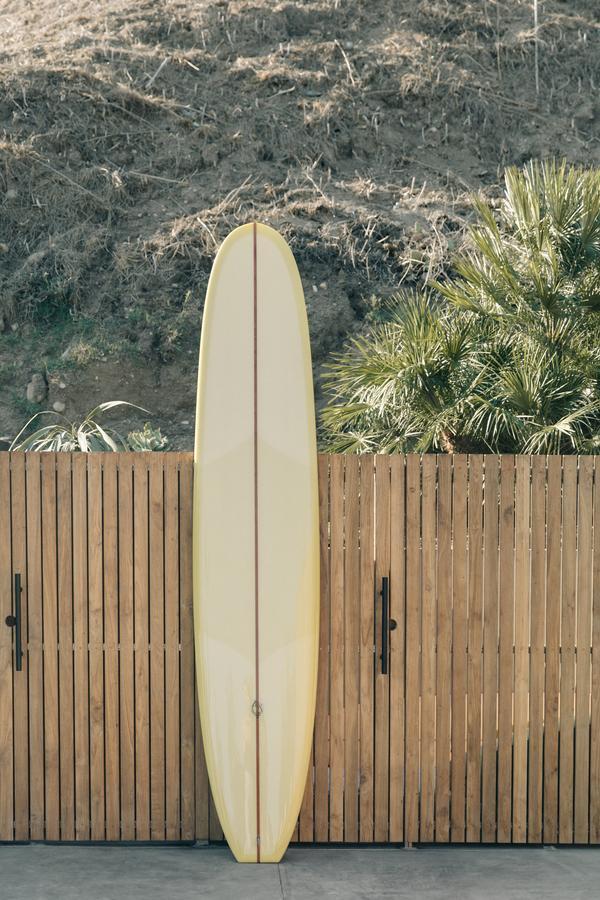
x=504, y=356
x=86, y=435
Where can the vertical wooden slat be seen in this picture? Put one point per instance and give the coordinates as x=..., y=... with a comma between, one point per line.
x=382, y=682
x=428, y=645
x=321, y=739
x=111, y=644
x=505, y=660
x=413, y=641
x=194, y=822
x=336, y=662
x=20, y=692
x=215, y=832
x=96, y=643
x=172, y=700
x=475, y=637
x=50, y=646
x=522, y=507
x=142, y=670
x=567, y=658
x=397, y=637
x=157, y=651
x=490, y=651
x=126, y=647
x=552, y=681
x=538, y=621
x=65, y=638
x=306, y=829
x=6, y=658
x=351, y=647
x=202, y=790
x=34, y=653
x=584, y=634
x=367, y=637
x=459, y=648
x=595, y=726
x=80, y=655
x=444, y=649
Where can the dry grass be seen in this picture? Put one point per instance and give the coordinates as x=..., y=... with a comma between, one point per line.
x=134, y=136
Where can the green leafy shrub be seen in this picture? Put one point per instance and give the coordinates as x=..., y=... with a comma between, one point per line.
x=86, y=436
x=147, y=439
x=504, y=356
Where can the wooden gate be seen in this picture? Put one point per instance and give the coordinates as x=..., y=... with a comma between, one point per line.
x=480, y=723
x=98, y=732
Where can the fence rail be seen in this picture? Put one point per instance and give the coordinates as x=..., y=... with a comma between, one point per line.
x=482, y=723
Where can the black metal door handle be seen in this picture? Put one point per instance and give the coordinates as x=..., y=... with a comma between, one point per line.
x=14, y=621
x=385, y=610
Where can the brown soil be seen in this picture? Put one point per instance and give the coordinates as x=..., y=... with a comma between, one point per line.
x=135, y=135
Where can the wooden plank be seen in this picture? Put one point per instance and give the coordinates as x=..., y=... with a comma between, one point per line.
x=413, y=641
x=110, y=501
x=202, y=790
x=475, y=639
x=428, y=643
x=80, y=655
x=50, y=645
x=157, y=650
x=522, y=523
x=322, y=708
x=172, y=698
x=215, y=832
x=367, y=639
x=444, y=650
x=538, y=623
x=505, y=660
x=306, y=830
x=126, y=646
x=96, y=644
x=490, y=650
x=351, y=646
x=567, y=659
x=336, y=712
x=382, y=682
x=584, y=636
x=397, y=603
x=459, y=648
x=20, y=693
x=595, y=726
x=6, y=657
x=142, y=660
x=65, y=639
x=34, y=651
x=194, y=822
x=552, y=681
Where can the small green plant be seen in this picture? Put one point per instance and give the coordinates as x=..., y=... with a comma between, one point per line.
x=85, y=436
x=148, y=439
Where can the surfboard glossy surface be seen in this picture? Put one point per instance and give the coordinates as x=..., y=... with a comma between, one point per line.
x=256, y=544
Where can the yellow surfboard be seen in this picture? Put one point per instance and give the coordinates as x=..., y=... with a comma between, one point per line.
x=256, y=543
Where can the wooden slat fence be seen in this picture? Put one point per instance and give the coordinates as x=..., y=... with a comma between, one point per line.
x=485, y=728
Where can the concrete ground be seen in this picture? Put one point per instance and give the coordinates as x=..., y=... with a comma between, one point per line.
x=66, y=872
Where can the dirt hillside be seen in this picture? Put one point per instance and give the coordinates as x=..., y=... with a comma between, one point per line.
x=134, y=134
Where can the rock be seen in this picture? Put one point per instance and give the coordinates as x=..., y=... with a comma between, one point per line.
x=58, y=406
x=37, y=389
